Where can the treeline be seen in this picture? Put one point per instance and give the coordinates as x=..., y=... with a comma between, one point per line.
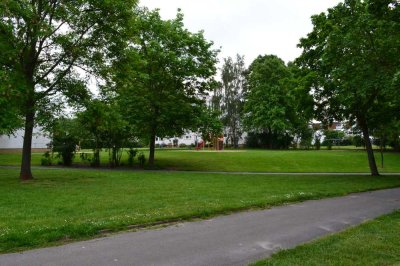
x=154, y=76
x=349, y=71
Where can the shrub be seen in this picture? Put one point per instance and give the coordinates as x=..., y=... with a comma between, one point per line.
x=86, y=157
x=358, y=141
x=141, y=159
x=65, y=148
x=317, y=143
x=131, y=155
x=46, y=160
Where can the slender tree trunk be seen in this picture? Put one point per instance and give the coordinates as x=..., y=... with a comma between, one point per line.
x=371, y=159
x=26, y=173
x=152, y=148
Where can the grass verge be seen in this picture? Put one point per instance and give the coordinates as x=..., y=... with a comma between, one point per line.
x=373, y=243
x=71, y=204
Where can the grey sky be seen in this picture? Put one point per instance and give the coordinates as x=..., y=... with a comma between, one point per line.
x=248, y=27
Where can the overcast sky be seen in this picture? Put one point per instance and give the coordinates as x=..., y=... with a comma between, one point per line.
x=248, y=27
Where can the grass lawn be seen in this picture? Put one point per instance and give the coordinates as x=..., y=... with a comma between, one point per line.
x=60, y=205
x=254, y=160
x=274, y=161
x=374, y=243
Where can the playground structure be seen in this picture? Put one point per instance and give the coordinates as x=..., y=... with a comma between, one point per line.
x=217, y=143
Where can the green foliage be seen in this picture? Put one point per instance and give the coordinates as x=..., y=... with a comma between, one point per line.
x=268, y=140
x=131, y=155
x=163, y=75
x=86, y=157
x=209, y=124
x=333, y=137
x=358, y=141
x=360, y=80
x=273, y=108
x=10, y=118
x=234, y=86
x=45, y=47
x=352, y=64
x=141, y=159
x=306, y=138
x=46, y=159
x=64, y=139
x=102, y=123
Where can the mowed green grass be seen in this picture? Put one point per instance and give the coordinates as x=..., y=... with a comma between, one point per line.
x=254, y=160
x=60, y=205
x=274, y=161
x=374, y=243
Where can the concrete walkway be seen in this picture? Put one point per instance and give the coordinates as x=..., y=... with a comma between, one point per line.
x=236, y=239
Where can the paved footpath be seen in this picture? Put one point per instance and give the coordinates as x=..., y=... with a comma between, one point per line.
x=236, y=239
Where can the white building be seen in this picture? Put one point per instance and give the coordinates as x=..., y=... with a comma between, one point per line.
x=15, y=141
x=189, y=138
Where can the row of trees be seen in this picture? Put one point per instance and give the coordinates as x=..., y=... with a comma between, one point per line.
x=151, y=73
x=349, y=70
x=266, y=100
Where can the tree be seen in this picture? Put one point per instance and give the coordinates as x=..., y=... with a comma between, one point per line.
x=273, y=106
x=232, y=94
x=163, y=77
x=44, y=44
x=65, y=137
x=352, y=59
x=209, y=124
x=103, y=126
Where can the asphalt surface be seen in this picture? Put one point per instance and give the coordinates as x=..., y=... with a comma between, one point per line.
x=236, y=239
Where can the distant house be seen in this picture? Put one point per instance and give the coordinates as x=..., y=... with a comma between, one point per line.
x=15, y=141
x=338, y=126
x=189, y=138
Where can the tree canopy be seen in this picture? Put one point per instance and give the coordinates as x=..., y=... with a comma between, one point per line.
x=46, y=45
x=232, y=91
x=353, y=63
x=273, y=105
x=164, y=76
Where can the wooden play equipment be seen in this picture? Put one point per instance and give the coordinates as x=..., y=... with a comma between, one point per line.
x=218, y=142
x=200, y=145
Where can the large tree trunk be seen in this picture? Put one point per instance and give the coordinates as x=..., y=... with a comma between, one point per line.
x=26, y=173
x=371, y=159
x=152, y=148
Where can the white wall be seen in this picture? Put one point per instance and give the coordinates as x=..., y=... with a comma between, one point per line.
x=39, y=140
x=188, y=138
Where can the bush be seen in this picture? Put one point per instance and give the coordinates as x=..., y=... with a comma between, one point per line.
x=269, y=140
x=46, y=160
x=317, y=143
x=65, y=148
x=141, y=159
x=131, y=155
x=182, y=145
x=86, y=157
